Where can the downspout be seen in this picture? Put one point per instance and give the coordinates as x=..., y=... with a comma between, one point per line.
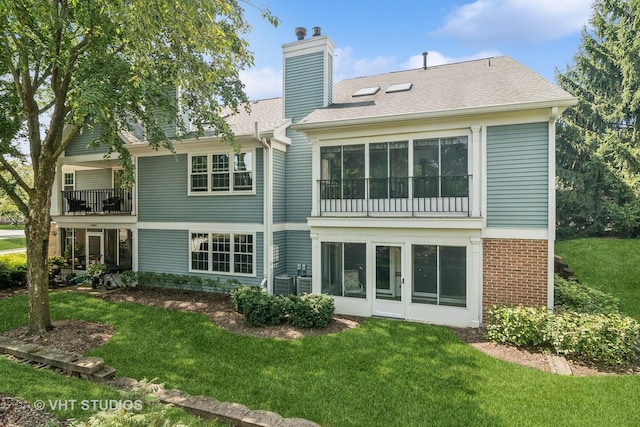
x=267, y=212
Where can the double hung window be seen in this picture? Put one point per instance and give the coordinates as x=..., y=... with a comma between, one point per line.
x=221, y=173
x=231, y=253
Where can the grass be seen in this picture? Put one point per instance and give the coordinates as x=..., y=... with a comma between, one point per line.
x=384, y=373
x=11, y=227
x=12, y=243
x=611, y=265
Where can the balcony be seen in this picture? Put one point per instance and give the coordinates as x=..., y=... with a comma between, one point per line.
x=112, y=201
x=408, y=196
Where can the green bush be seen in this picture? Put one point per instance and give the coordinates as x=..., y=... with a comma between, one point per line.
x=240, y=293
x=13, y=270
x=610, y=339
x=518, y=325
x=311, y=311
x=14, y=261
x=571, y=295
x=263, y=309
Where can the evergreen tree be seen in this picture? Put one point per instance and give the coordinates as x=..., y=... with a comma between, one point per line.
x=598, y=145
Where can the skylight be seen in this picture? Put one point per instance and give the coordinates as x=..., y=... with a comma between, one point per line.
x=401, y=87
x=366, y=91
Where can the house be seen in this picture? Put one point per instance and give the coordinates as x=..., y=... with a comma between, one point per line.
x=425, y=194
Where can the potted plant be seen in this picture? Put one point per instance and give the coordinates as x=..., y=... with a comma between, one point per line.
x=95, y=270
x=56, y=263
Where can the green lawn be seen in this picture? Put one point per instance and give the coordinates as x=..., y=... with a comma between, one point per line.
x=611, y=265
x=384, y=373
x=11, y=227
x=12, y=243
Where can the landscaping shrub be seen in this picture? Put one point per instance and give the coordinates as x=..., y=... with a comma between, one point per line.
x=263, y=309
x=571, y=295
x=518, y=325
x=311, y=311
x=13, y=271
x=610, y=339
x=240, y=293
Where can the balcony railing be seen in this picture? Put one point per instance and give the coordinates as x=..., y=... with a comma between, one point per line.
x=415, y=196
x=110, y=201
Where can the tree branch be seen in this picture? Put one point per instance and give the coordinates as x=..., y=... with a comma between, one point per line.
x=7, y=166
x=69, y=132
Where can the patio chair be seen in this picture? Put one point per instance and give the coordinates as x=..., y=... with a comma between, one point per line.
x=77, y=205
x=352, y=285
x=112, y=204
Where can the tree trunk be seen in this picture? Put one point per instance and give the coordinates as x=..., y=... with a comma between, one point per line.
x=36, y=230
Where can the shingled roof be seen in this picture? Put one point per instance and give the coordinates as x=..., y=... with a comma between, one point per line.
x=498, y=83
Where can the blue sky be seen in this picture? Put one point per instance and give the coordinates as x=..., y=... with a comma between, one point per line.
x=377, y=36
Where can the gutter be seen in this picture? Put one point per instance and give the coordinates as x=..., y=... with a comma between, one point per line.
x=267, y=210
x=559, y=106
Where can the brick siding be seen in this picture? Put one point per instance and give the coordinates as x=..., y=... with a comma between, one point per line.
x=514, y=272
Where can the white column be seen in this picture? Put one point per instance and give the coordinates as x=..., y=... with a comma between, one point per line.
x=476, y=282
x=316, y=268
x=551, y=221
x=476, y=171
x=315, y=177
x=58, y=189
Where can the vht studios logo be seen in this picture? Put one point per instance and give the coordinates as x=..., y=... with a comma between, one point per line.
x=88, y=405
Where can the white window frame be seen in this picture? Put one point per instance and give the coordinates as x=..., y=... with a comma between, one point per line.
x=231, y=173
x=232, y=253
x=64, y=181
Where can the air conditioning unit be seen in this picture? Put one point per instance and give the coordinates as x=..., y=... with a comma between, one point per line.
x=285, y=285
x=304, y=285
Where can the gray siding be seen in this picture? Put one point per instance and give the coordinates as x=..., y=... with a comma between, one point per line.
x=97, y=179
x=299, y=179
x=279, y=253
x=304, y=85
x=517, y=176
x=279, y=189
x=87, y=135
x=330, y=79
x=298, y=251
x=167, y=251
x=162, y=195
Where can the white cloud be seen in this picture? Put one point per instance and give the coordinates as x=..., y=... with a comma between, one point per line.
x=262, y=83
x=346, y=66
x=436, y=58
x=516, y=20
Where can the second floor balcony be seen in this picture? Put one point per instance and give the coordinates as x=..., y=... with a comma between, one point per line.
x=403, y=196
x=111, y=201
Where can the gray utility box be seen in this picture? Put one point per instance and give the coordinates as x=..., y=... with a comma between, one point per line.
x=285, y=285
x=304, y=285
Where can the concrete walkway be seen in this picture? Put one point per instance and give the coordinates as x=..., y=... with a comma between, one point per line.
x=12, y=234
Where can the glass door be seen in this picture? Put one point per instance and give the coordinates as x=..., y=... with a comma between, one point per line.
x=95, y=247
x=389, y=281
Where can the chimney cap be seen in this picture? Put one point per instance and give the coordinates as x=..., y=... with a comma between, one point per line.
x=316, y=31
x=301, y=32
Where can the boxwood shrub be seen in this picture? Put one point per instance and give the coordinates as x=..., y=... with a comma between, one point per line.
x=13, y=270
x=311, y=311
x=263, y=309
x=240, y=293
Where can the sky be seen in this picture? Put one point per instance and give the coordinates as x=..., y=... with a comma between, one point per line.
x=379, y=36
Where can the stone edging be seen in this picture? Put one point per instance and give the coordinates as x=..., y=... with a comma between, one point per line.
x=93, y=368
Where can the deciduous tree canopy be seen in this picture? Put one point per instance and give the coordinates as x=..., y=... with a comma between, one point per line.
x=112, y=61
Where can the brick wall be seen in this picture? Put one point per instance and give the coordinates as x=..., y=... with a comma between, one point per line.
x=514, y=272
x=53, y=242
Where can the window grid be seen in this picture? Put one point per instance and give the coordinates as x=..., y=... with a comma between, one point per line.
x=214, y=173
x=218, y=247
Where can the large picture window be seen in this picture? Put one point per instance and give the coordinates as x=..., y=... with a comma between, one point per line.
x=221, y=173
x=344, y=268
x=439, y=275
x=229, y=253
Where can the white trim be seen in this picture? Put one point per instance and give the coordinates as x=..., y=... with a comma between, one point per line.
x=232, y=235
x=203, y=227
x=230, y=173
x=95, y=221
x=551, y=210
x=440, y=223
x=296, y=226
x=475, y=170
x=483, y=177
x=516, y=233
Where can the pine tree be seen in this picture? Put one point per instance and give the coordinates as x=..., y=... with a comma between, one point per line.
x=598, y=145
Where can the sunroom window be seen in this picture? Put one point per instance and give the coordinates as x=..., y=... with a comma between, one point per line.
x=440, y=167
x=342, y=174
x=439, y=275
x=344, y=268
x=221, y=173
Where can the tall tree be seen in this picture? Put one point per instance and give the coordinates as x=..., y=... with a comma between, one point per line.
x=598, y=144
x=110, y=61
